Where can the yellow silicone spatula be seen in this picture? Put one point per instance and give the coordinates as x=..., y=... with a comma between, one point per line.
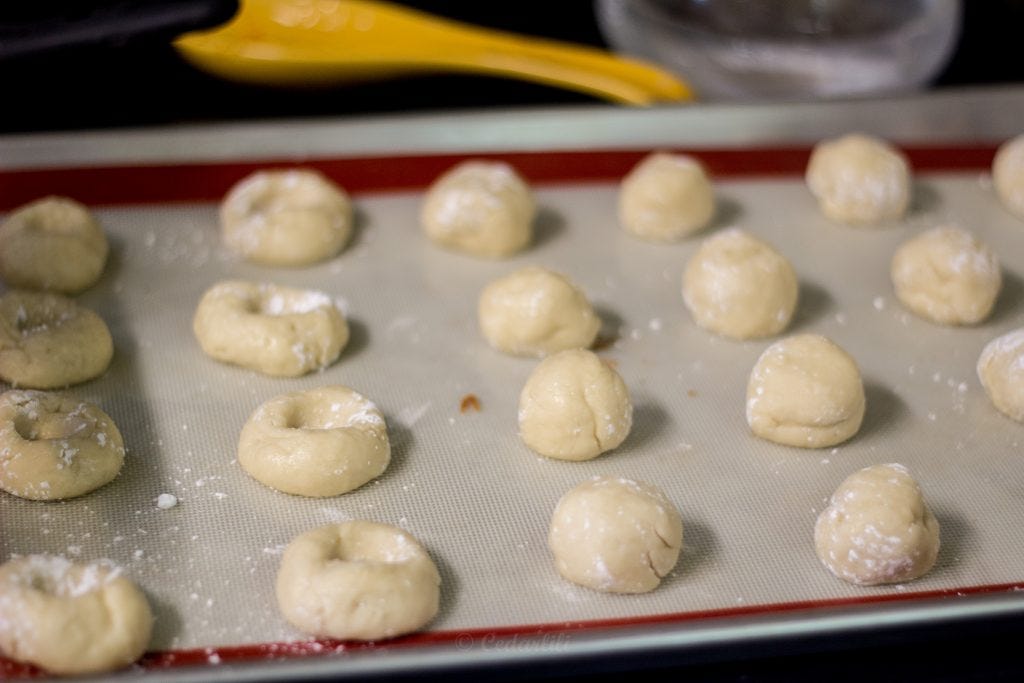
x=303, y=42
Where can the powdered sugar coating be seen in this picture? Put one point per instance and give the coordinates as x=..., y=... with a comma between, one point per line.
x=1001, y=371
x=859, y=179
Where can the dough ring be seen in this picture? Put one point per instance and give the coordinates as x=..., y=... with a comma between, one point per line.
x=279, y=331
x=54, y=244
x=286, y=218
x=357, y=581
x=321, y=442
x=49, y=341
x=71, y=618
x=54, y=447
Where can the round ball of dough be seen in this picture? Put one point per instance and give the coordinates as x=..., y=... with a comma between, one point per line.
x=740, y=287
x=574, y=407
x=482, y=208
x=615, y=535
x=805, y=391
x=49, y=341
x=71, y=618
x=859, y=180
x=54, y=447
x=286, y=218
x=357, y=581
x=320, y=442
x=54, y=244
x=279, y=331
x=536, y=312
x=947, y=275
x=1008, y=175
x=666, y=197
x=877, y=528
x=1001, y=371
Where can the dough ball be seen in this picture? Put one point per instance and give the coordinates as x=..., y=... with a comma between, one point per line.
x=71, y=618
x=740, y=287
x=286, y=218
x=666, y=197
x=947, y=275
x=1008, y=175
x=357, y=581
x=482, y=208
x=54, y=447
x=54, y=244
x=1001, y=371
x=859, y=180
x=536, y=312
x=49, y=341
x=877, y=528
x=279, y=331
x=615, y=535
x=805, y=391
x=320, y=442
x=574, y=407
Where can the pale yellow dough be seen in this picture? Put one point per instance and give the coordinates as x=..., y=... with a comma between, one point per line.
x=481, y=208
x=536, y=312
x=49, y=341
x=320, y=442
x=574, y=407
x=666, y=197
x=357, y=581
x=615, y=535
x=279, y=331
x=738, y=286
x=53, y=244
x=1001, y=371
x=1008, y=175
x=71, y=618
x=859, y=180
x=286, y=218
x=805, y=391
x=877, y=528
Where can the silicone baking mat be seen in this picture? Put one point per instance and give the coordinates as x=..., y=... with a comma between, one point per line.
x=460, y=479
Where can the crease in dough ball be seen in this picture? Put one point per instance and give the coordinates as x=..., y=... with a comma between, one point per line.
x=574, y=407
x=357, y=580
x=53, y=244
x=536, y=312
x=1001, y=372
x=947, y=275
x=276, y=330
x=71, y=618
x=805, y=391
x=1008, y=175
x=615, y=535
x=49, y=341
x=859, y=180
x=286, y=218
x=321, y=442
x=738, y=286
x=877, y=528
x=54, y=447
x=666, y=197
x=481, y=208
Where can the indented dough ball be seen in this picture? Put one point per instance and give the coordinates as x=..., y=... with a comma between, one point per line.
x=737, y=286
x=947, y=275
x=666, y=197
x=805, y=391
x=1001, y=371
x=320, y=442
x=286, y=218
x=859, y=180
x=71, y=618
x=536, y=312
x=357, y=581
x=574, y=407
x=877, y=528
x=615, y=535
x=482, y=208
x=1008, y=175
x=54, y=244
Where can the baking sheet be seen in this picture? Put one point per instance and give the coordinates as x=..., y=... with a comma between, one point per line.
x=466, y=486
